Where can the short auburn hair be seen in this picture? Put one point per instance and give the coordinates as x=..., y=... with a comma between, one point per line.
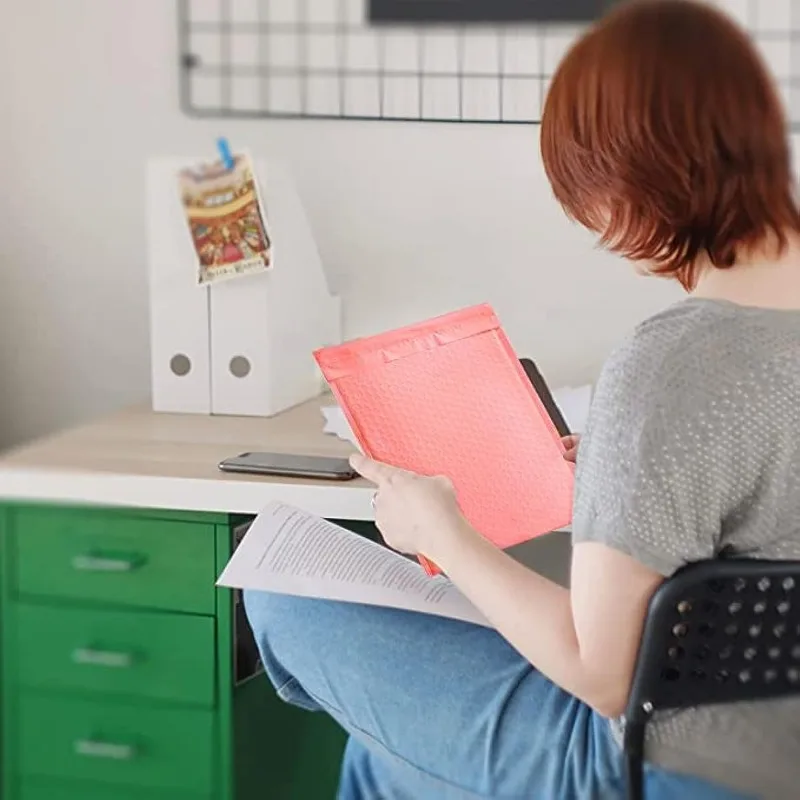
x=663, y=132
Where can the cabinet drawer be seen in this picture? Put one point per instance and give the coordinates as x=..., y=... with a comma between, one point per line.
x=106, y=556
x=134, y=653
x=34, y=790
x=115, y=744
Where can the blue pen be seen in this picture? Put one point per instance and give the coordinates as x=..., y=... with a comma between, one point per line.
x=225, y=153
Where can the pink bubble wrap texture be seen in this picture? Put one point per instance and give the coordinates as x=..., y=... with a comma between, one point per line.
x=449, y=397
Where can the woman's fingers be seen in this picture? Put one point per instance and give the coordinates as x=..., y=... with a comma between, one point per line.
x=571, y=447
x=380, y=474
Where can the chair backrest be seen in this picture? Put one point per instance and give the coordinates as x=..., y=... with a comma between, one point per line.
x=720, y=631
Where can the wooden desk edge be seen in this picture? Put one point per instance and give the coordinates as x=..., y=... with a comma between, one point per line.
x=325, y=499
x=143, y=459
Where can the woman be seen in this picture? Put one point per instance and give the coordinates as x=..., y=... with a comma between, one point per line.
x=662, y=133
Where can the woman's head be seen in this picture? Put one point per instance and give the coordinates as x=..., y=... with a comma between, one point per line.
x=664, y=133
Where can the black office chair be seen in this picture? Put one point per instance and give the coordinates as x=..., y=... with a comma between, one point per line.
x=722, y=631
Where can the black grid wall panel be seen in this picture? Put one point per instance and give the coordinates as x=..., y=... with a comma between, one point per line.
x=323, y=59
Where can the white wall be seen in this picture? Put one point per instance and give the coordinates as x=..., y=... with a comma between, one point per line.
x=412, y=220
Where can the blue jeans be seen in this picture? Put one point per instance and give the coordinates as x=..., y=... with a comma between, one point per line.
x=442, y=710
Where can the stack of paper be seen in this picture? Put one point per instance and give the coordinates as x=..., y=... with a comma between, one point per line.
x=289, y=551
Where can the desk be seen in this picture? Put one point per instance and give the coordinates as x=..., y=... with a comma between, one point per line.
x=117, y=669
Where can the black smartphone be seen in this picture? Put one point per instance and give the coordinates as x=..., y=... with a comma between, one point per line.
x=293, y=466
x=543, y=390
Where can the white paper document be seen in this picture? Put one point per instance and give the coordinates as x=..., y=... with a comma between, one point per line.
x=288, y=551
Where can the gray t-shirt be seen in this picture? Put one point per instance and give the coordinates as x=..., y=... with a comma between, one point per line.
x=692, y=448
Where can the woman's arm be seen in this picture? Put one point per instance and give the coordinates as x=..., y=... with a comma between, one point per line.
x=584, y=639
x=652, y=487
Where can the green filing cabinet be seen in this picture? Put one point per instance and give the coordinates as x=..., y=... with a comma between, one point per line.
x=117, y=674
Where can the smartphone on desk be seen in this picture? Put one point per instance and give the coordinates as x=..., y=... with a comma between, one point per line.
x=331, y=468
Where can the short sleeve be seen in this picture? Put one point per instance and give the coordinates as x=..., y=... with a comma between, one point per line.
x=650, y=480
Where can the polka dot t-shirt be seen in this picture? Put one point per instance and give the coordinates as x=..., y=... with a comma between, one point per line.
x=692, y=450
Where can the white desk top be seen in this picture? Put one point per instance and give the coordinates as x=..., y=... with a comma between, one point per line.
x=141, y=459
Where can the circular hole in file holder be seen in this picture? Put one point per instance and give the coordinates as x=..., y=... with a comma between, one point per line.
x=779, y=630
x=180, y=365
x=764, y=584
x=788, y=584
x=774, y=653
x=670, y=674
x=684, y=607
x=239, y=367
x=675, y=653
x=725, y=653
x=731, y=629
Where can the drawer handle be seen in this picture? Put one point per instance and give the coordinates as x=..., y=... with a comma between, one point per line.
x=92, y=748
x=90, y=563
x=102, y=658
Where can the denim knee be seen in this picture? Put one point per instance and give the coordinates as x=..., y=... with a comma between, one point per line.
x=274, y=620
x=278, y=621
x=258, y=606
x=280, y=617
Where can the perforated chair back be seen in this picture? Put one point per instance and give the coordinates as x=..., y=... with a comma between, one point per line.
x=722, y=631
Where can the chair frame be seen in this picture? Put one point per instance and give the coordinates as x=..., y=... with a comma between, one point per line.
x=720, y=631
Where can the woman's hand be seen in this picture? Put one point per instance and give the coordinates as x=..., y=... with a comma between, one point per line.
x=571, y=443
x=415, y=514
